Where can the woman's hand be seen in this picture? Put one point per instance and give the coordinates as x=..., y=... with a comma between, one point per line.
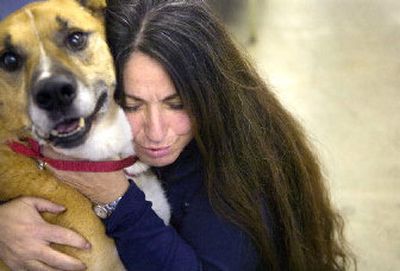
x=100, y=188
x=25, y=237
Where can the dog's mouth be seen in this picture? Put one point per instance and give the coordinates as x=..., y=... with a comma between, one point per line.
x=72, y=132
x=68, y=128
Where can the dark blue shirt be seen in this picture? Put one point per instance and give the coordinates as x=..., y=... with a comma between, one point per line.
x=196, y=239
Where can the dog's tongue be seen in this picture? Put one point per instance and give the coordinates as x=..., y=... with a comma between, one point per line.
x=67, y=126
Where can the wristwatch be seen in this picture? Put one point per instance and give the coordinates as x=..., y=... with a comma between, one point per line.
x=104, y=211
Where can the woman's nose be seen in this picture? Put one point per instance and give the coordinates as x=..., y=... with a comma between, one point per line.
x=156, y=127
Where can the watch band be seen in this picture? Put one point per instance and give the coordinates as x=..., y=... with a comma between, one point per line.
x=104, y=211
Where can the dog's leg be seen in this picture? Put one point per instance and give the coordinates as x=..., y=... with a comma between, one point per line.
x=153, y=191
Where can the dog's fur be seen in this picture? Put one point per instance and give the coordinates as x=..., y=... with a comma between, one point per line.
x=37, y=36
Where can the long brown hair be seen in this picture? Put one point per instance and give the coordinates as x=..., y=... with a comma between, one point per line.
x=258, y=161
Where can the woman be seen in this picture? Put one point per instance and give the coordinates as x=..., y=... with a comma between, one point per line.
x=245, y=188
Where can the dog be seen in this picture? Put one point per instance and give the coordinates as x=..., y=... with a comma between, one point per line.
x=56, y=84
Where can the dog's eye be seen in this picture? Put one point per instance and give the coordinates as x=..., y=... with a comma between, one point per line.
x=76, y=41
x=10, y=61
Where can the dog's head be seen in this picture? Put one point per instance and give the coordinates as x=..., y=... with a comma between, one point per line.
x=56, y=72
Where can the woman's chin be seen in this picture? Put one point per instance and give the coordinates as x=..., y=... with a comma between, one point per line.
x=157, y=161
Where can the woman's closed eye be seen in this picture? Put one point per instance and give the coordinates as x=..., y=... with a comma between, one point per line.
x=131, y=107
x=175, y=105
x=174, y=102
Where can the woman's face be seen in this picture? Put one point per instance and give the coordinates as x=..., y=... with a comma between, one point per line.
x=160, y=126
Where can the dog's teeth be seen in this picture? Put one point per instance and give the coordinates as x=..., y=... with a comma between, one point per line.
x=81, y=123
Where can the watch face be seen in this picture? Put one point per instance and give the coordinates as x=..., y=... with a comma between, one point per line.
x=101, y=212
x=104, y=211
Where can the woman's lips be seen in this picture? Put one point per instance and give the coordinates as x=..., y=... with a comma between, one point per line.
x=157, y=152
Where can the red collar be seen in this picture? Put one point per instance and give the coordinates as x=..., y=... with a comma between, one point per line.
x=32, y=149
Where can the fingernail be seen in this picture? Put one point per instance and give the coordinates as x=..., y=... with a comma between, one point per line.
x=87, y=246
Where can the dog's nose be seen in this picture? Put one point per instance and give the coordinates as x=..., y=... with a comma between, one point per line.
x=55, y=93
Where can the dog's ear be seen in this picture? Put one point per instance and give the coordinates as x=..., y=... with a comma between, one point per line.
x=96, y=6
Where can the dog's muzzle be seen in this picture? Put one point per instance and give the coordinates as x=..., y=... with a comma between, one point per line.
x=56, y=96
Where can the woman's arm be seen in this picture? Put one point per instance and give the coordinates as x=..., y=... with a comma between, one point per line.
x=201, y=241
x=143, y=241
x=204, y=241
x=25, y=237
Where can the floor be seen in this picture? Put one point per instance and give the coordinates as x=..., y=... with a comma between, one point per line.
x=336, y=65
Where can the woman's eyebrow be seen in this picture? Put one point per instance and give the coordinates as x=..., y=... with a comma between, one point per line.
x=171, y=97
x=133, y=97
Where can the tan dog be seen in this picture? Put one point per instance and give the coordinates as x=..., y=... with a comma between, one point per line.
x=56, y=83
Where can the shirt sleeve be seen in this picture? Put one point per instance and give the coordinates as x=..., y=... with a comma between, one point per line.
x=203, y=241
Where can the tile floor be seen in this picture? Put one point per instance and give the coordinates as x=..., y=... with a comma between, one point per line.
x=336, y=65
